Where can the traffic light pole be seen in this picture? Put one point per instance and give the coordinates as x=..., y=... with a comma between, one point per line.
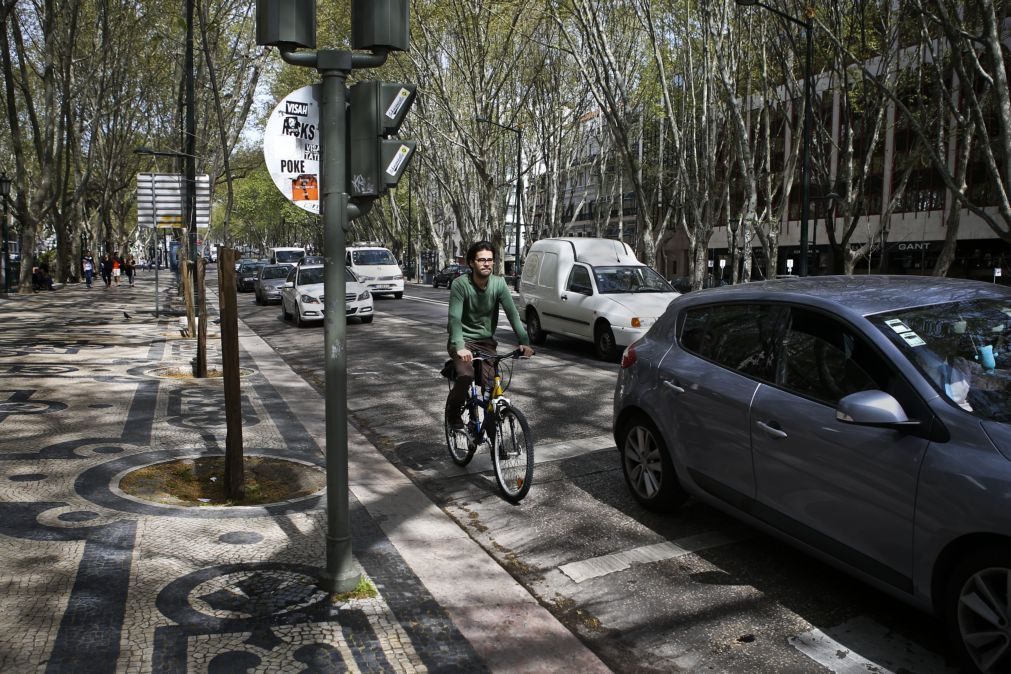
x=340, y=573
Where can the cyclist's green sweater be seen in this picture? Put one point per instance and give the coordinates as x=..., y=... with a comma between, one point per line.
x=473, y=313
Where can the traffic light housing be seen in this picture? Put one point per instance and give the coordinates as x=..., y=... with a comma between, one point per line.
x=376, y=161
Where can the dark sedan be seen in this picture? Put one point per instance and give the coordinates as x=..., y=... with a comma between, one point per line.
x=866, y=420
x=449, y=274
x=249, y=270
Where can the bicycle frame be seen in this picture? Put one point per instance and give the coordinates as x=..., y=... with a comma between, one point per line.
x=488, y=399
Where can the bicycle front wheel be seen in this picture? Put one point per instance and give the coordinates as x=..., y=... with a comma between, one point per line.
x=460, y=444
x=513, y=454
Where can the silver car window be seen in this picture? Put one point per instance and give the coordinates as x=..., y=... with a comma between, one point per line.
x=741, y=337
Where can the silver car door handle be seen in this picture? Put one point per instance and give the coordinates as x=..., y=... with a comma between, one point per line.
x=672, y=386
x=565, y=298
x=774, y=432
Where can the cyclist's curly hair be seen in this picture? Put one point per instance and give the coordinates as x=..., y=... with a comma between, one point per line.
x=478, y=246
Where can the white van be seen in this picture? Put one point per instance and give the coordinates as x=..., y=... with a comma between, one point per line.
x=591, y=289
x=286, y=255
x=377, y=269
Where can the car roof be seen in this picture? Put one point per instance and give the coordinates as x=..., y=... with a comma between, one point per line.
x=854, y=295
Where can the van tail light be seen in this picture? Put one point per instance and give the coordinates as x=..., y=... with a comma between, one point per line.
x=628, y=357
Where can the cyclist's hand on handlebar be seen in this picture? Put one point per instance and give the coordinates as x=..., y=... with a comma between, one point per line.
x=526, y=351
x=465, y=355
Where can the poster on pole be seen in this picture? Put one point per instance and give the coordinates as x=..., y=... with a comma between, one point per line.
x=291, y=147
x=160, y=200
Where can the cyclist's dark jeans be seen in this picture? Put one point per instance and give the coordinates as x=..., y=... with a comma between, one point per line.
x=465, y=375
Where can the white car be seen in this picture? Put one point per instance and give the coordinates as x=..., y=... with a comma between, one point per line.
x=302, y=296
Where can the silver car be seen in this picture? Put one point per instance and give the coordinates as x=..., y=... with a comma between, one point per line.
x=866, y=420
x=269, y=282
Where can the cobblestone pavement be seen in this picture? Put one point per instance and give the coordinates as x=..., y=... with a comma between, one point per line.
x=95, y=580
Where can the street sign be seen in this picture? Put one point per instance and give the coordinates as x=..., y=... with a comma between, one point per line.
x=789, y=264
x=723, y=263
x=996, y=271
x=160, y=200
x=291, y=147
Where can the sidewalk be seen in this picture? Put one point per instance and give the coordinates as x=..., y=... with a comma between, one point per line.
x=95, y=580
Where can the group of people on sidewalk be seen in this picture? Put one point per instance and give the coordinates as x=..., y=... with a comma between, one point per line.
x=112, y=267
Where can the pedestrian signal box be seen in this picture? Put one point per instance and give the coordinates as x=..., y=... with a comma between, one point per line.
x=377, y=161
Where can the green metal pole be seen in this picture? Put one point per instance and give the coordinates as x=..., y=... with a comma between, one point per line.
x=340, y=573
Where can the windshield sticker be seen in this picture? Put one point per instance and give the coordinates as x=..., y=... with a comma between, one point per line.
x=897, y=325
x=912, y=339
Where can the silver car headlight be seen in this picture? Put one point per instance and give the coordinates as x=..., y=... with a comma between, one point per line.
x=309, y=299
x=364, y=295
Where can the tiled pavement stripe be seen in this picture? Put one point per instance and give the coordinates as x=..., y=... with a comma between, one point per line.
x=619, y=561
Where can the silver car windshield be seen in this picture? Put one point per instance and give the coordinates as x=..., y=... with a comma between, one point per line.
x=628, y=279
x=962, y=348
x=275, y=272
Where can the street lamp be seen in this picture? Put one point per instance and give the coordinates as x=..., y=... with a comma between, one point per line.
x=5, y=191
x=805, y=179
x=517, y=264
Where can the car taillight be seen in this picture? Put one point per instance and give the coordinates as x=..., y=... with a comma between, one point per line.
x=628, y=357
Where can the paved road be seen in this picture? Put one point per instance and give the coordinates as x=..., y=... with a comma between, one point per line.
x=694, y=591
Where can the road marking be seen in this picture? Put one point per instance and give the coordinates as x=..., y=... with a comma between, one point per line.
x=596, y=567
x=883, y=651
x=481, y=463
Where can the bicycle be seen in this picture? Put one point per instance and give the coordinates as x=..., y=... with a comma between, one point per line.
x=490, y=418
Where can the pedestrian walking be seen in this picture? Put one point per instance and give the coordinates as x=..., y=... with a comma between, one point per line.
x=129, y=266
x=88, y=267
x=117, y=267
x=107, y=270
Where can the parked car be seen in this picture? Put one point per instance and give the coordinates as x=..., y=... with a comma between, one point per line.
x=591, y=289
x=269, y=282
x=449, y=274
x=866, y=420
x=240, y=261
x=302, y=296
x=249, y=270
x=312, y=259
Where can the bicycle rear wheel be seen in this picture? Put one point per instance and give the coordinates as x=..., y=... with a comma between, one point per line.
x=460, y=443
x=513, y=454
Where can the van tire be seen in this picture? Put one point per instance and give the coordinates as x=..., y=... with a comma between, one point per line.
x=604, y=345
x=398, y=296
x=534, y=330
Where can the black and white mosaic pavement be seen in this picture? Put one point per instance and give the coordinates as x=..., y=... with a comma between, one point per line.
x=94, y=580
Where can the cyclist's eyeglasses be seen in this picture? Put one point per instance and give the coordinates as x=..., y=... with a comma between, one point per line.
x=484, y=260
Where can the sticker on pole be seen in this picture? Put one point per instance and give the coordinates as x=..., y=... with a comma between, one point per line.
x=403, y=152
x=291, y=147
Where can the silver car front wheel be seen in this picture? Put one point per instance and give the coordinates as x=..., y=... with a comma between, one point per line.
x=978, y=608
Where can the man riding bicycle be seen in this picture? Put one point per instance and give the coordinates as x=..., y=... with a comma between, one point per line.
x=474, y=301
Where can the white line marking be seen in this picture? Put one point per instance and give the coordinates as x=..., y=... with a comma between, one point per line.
x=596, y=567
x=881, y=650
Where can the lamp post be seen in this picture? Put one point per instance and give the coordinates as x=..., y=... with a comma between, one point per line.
x=5, y=191
x=805, y=179
x=517, y=264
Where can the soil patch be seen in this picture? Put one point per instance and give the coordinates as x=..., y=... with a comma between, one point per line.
x=201, y=481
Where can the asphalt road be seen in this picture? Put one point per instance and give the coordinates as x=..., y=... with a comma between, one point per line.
x=692, y=591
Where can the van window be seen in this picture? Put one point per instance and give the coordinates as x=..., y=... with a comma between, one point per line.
x=288, y=256
x=378, y=256
x=549, y=271
x=579, y=280
x=531, y=267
